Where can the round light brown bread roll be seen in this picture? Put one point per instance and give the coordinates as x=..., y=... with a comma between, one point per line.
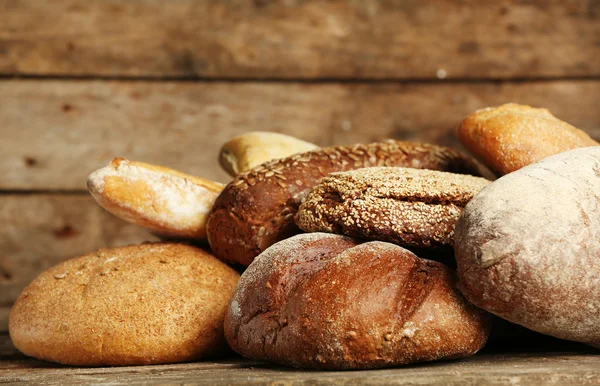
x=326, y=301
x=257, y=209
x=405, y=206
x=528, y=246
x=134, y=305
x=511, y=136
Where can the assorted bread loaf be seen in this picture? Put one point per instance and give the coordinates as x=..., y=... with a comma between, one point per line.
x=511, y=136
x=526, y=248
x=410, y=207
x=167, y=202
x=144, y=304
x=325, y=301
x=251, y=149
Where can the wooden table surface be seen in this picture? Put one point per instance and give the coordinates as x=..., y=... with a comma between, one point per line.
x=576, y=366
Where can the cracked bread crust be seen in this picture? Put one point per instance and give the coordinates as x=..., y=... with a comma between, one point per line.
x=134, y=305
x=527, y=247
x=257, y=208
x=409, y=207
x=326, y=301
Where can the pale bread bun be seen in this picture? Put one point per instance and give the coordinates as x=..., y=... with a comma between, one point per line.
x=145, y=304
x=166, y=202
x=256, y=147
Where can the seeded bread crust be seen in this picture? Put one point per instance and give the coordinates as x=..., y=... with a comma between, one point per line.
x=257, y=208
x=135, y=305
x=325, y=301
x=409, y=207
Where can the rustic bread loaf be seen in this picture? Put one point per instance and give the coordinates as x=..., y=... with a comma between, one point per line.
x=528, y=248
x=511, y=136
x=409, y=207
x=324, y=301
x=167, y=202
x=257, y=209
x=146, y=304
x=256, y=147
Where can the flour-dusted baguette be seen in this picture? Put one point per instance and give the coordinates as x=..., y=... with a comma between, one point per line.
x=167, y=202
x=511, y=136
x=256, y=147
x=144, y=304
x=257, y=209
x=528, y=246
x=325, y=301
x=405, y=206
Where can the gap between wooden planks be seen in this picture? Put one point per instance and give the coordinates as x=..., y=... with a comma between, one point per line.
x=371, y=39
x=55, y=132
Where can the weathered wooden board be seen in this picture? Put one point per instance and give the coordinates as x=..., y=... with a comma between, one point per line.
x=54, y=133
x=371, y=39
x=38, y=231
x=517, y=369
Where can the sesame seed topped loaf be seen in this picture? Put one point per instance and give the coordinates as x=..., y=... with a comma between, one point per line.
x=257, y=208
x=410, y=207
x=326, y=301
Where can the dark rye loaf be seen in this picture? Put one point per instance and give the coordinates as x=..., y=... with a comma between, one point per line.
x=528, y=246
x=326, y=301
x=257, y=208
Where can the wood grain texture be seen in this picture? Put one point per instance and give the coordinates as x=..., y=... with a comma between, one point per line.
x=293, y=39
x=57, y=132
x=517, y=369
x=38, y=231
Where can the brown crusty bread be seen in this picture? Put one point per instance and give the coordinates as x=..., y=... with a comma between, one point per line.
x=511, y=136
x=325, y=301
x=257, y=208
x=528, y=246
x=409, y=207
x=134, y=305
x=166, y=202
x=256, y=147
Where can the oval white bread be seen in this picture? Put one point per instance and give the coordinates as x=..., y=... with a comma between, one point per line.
x=166, y=202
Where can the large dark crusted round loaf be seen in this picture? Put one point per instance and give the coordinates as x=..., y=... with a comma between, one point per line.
x=257, y=208
x=325, y=301
x=528, y=249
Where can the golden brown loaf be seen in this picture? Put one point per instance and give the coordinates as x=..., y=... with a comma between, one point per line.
x=325, y=301
x=257, y=209
x=167, y=202
x=511, y=136
x=145, y=304
x=528, y=246
x=410, y=207
x=254, y=148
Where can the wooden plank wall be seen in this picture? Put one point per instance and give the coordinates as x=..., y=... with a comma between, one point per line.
x=82, y=81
